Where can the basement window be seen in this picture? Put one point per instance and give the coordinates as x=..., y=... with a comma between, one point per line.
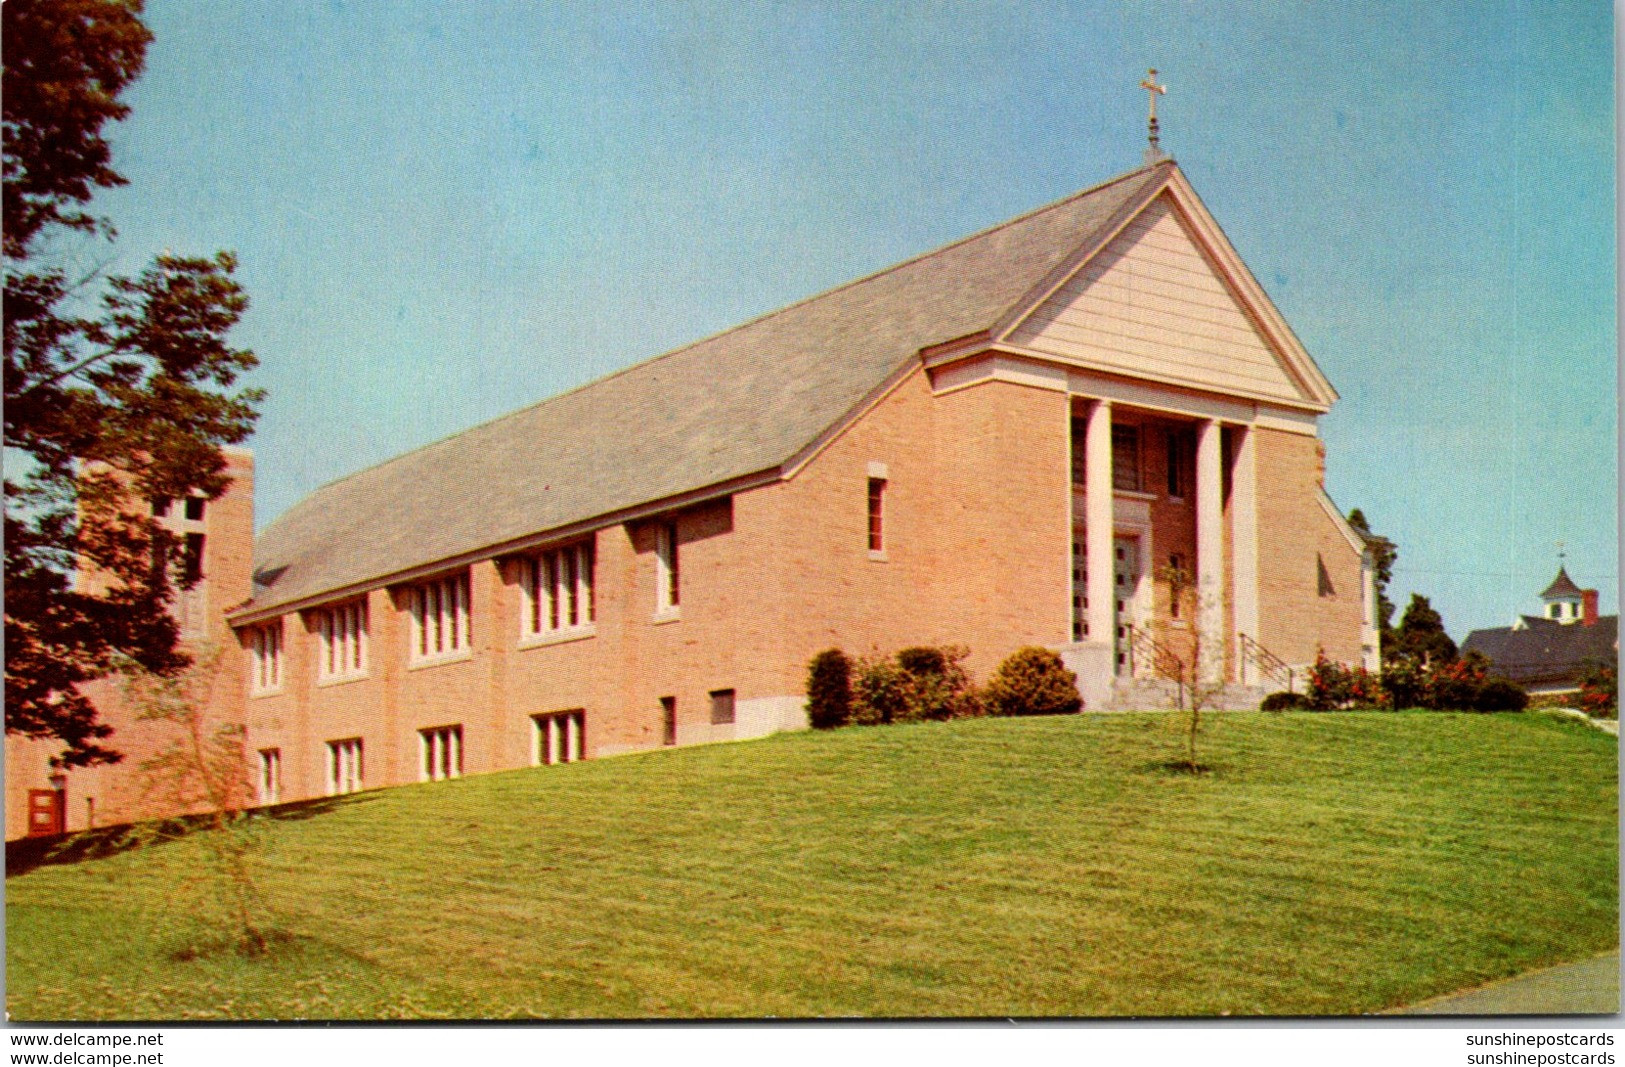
x=270, y=778
x=722, y=707
x=344, y=766
x=560, y=737
x=442, y=753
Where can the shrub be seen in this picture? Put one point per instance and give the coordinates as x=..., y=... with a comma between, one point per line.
x=829, y=690
x=1599, y=691
x=1498, y=694
x=1335, y=687
x=1405, y=682
x=879, y=691
x=1455, y=686
x=1284, y=702
x=1033, y=681
x=918, y=683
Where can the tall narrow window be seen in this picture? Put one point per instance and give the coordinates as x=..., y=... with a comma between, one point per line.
x=194, y=508
x=1080, y=449
x=270, y=784
x=668, y=573
x=877, y=514
x=192, y=558
x=265, y=647
x=722, y=707
x=442, y=753
x=560, y=737
x=1177, y=582
x=1178, y=478
x=668, y=720
x=344, y=766
x=559, y=591
x=1125, y=457
x=440, y=618
x=344, y=641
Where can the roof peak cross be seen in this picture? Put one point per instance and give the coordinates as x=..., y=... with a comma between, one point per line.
x=1153, y=90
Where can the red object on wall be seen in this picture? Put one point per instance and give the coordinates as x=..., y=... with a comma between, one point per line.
x=47, y=812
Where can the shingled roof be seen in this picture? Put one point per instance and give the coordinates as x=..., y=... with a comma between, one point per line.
x=740, y=403
x=1544, y=651
x=1562, y=586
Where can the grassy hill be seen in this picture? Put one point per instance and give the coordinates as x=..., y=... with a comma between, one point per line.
x=1328, y=864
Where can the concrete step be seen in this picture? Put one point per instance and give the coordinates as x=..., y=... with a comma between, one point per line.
x=1160, y=694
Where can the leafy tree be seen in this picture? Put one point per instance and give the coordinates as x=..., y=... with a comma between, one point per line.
x=1384, y=552
x=117, y=389
x=1420, y=635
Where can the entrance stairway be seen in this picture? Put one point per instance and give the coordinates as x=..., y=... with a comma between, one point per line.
x=1160, y=694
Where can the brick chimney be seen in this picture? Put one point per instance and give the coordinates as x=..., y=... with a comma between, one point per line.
x=1588, y=607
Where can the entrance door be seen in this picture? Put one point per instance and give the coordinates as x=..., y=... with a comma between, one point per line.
x=45, y=814
x=1125, y=591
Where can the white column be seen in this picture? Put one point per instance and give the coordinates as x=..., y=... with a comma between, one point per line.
x=1210, y=549
x=1244, y=532
x=1098, y=520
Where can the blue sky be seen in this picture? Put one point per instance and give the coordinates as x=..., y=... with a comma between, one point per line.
x=445, y=211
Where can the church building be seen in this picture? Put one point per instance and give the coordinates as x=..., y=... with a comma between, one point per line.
x=1087, y=428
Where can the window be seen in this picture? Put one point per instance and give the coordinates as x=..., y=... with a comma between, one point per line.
x=440, y=622
x=668, y=720
x=160, y=507
x=344, y=641
x=722, y=707
x=668, y=576
x=265, y=646
x=442, y=752
x=194, y=508
x=344, y=766
x=270, y=784
x=192, y=559
x=1080, y=450
x=559, y=591
x=560, y=737
x=1126, y=457
x=1178, y=579
x=877, y=514
x=1179, y=449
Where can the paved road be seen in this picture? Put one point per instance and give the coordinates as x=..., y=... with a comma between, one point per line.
x=1590, y=987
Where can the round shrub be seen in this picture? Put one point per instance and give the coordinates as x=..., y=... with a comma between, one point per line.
x=829, y=690
x=1498, y=694
x=880, y=692
x=1284, y=702
x=1033, y=681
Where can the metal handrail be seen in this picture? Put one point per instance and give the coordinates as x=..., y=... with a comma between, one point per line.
x=1268, y=663
x=1142, y=644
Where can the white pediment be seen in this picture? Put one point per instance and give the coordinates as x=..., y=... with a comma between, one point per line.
x=1151, y=304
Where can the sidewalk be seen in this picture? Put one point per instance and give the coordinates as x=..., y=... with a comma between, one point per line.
x=1590, y=987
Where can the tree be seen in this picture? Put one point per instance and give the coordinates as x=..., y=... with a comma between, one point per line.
x=1383, y=552
x=1420, y=635
x=117, y=388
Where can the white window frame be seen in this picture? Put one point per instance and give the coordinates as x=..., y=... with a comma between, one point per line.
x=440, y=751
x=560, y=599
x=343, y=651
x=265, y=650
x=270, y=781
x=558, y=737
x=345, y=766
x=668, y=572
x=441, y=620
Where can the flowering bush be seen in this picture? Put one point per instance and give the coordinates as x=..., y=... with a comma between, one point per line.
x=1335, y=687
x=918, y=683
x=1599, y=691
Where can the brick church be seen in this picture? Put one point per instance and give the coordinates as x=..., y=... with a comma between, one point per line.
x=1087, y=428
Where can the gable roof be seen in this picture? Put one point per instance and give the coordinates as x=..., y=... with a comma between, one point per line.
x=722, y=412
x=1545, y=651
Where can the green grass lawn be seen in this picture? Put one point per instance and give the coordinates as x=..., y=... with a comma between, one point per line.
x=1328, y=864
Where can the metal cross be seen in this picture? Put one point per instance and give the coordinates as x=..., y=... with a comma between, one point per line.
x=1153, y=90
